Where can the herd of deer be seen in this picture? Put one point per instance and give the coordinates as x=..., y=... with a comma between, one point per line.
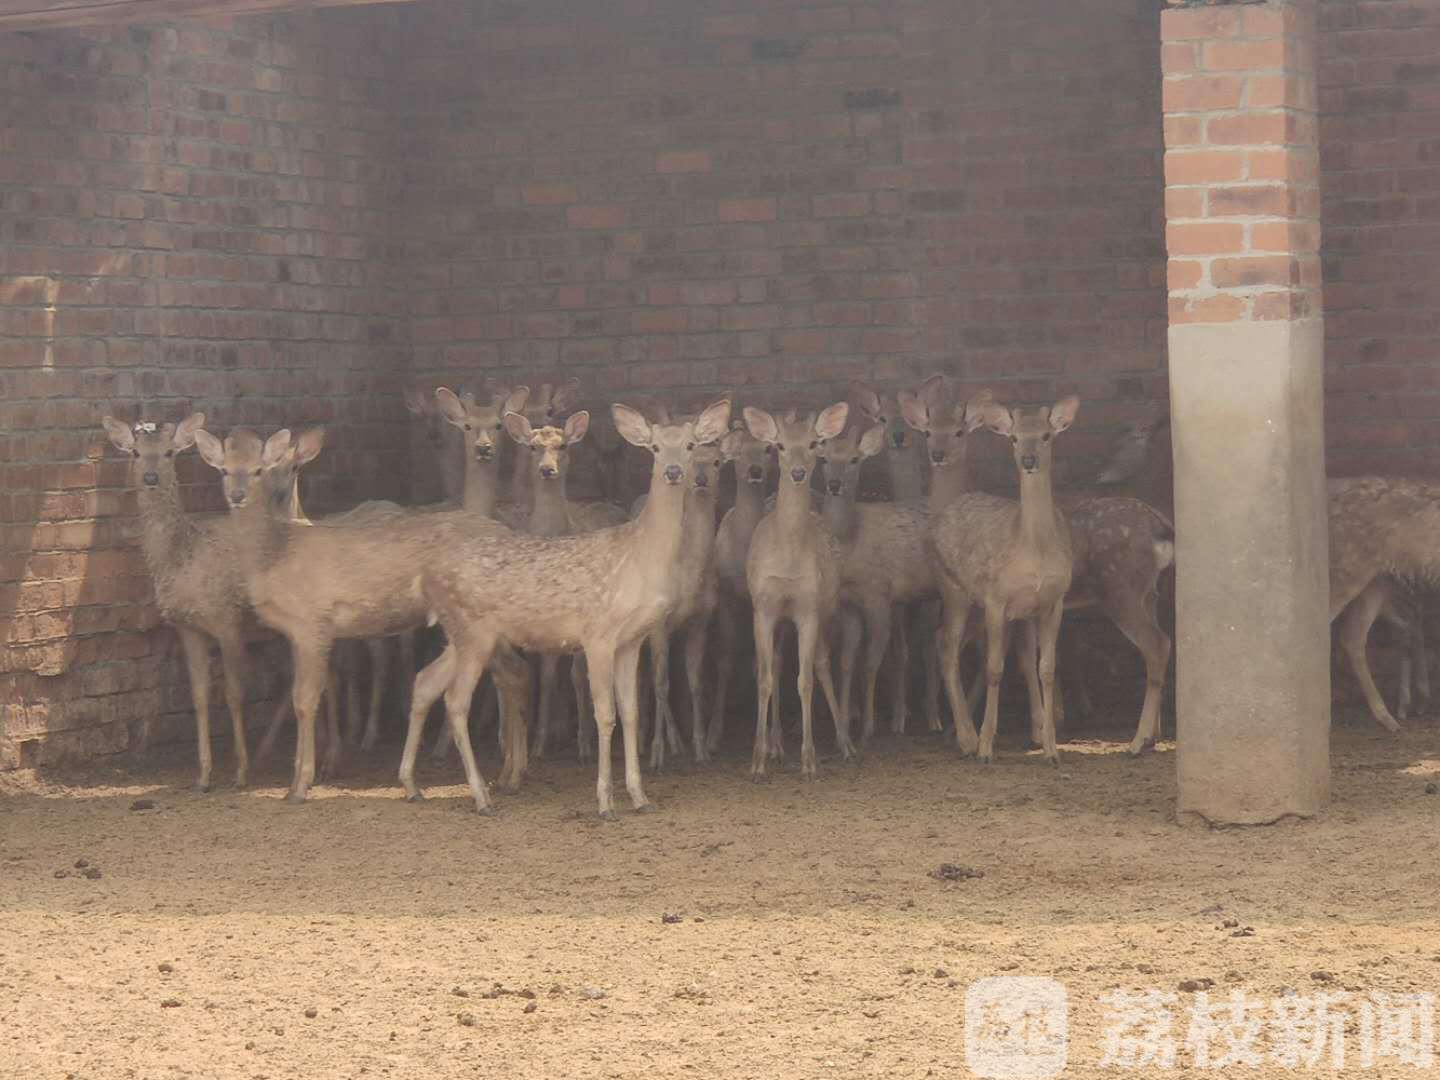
x=536, y=577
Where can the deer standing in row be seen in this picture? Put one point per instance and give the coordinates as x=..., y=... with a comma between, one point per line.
x=194, y=567
x=603, y=590
x=792, y=573
x=317, y=584
x=1014, y=560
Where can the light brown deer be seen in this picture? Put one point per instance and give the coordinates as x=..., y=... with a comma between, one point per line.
x=442, y=443
x=904, y=453
x=1014, y=559
x=198, y=589
x=317, y=584
x=605, y=590
x=792, y=572
x=545, y=407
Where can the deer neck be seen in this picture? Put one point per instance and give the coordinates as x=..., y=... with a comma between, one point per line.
x=948, y=483
x=792, y=507
x=907, y=472
x=749, y=502
x=297, y=512
x=699, y=522
x=522, y=491
x=661, y=523
x=550, y=512
x=1039, y=527
x=166, y=531
x=260, y=532
x=482, y=487
x=839, y=514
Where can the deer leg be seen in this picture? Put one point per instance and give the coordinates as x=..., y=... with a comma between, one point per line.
x=549, y=664
x=997, y=640
x=852, y=634
x=777, y=732
x=312, y=670
x=807, y=631
x=930, y=622
x=1049, y=629
x=827, y=685
x=948, y=640
x=330, y=763
x=1417, y=646
x=877, y=643
x=627, y=694
x=900, y=684
x=511, y=675
x=469, y=666
x=232, y=654
x=379, y=670
x=1136, y=619
x=726, y=625
x=764, y=689
x=1355, y=623
x=196, y=647
x=584, y=710
x=660, y=676
x=430, y=683
x=346, y=661
x=601, y=663
x=1029, y=656
x=696, y=635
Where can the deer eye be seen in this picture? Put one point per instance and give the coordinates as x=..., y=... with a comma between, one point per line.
x=779, y=446
x=689, y=446
x=1045, y=437
x=499, y=426
x=654, y=449
x=224, y=472
x=467, y=427
x=855, y=460
x=814, y=444
x=169, y=453
x=1015, y=439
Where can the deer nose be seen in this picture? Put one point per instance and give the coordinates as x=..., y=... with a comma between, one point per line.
x=151, y=479
x=482, y=453
x=702, y=479
x=237, y=497
x=937, y=457
x=674, y=474
x=834, y=487
x=1028, y=462
x=547, y=471
x=757, y=474
x=797, y=474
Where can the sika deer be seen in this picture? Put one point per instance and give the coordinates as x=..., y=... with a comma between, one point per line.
x=751, y=458
x=316, y=584
x=792, y=572
x=604, y=590
x=904, y=454
x=1015, y=560
x=551, y=403
x=193, y=565
x=481, y=426
x=440, y=441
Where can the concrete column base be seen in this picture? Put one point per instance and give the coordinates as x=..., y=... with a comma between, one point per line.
x=1252, y=565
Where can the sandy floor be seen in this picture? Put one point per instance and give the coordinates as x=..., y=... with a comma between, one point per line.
x=787, y=930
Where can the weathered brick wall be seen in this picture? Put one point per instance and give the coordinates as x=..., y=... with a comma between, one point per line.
x=773, y=197
x=1380, y=179
x=190, y=217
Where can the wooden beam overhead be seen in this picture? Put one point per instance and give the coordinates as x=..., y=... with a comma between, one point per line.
x=53, y=14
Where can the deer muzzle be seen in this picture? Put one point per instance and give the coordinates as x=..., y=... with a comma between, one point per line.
x=937, y=457
x=798, y=475
x=674, y=474
x=756, y=474
x=152, y=479
x=1029, y=462
x=835, y=487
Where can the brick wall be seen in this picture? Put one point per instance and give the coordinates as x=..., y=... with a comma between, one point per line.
x=190, y=217
x=1380, y=157
x=774, y=197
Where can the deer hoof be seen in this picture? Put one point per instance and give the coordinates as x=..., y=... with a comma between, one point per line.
x=415, y=796
x=609, y=815
x=985, y=759
x=485, y=811
x=759, y=778
x=647, y=808
x=202, y=786
x=295, y=798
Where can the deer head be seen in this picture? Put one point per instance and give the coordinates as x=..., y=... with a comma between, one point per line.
x=1032, y=431
x=797, y=436
x=845, y=453
x=481, y=424
x=946, y=427
x=152, y=447
x=673, y=445
x=550, y=445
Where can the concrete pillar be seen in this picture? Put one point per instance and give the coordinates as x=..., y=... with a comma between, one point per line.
x=1242, y=210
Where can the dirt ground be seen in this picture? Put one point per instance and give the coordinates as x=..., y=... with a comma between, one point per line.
x=779, y=931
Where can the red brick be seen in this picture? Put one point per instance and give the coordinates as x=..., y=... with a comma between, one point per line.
x=551, y=191
x=1184, y=273
x=1267, y=53
x=1255, y=270
x=1253, y=200
x=1201, y=93
x=1204, y=166
x=758, y=209
x=1222, y=307
x=683, y=161
x=1178, y=57
x=1188, y=24
x=1208, y=238
x=1252, y=128
x=595, y=217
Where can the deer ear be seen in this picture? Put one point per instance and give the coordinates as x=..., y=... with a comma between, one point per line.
x=1062, y=413
x=996, y=417
x=309, y=445
x=873, y=441
x=732, y=443
x=761, y=425
x=713, y=422
x=975, y=409
x=516, y=400
x=565, y=397
x=865, y=399
x=210, y=449
x=275, y=449
x=914, y=410
x=518, y=428
x=932, y=389
x=831, y=422
x=576, y=427
x=184, y=436
x=121, y=437
x=451, y=407
x=632, y=426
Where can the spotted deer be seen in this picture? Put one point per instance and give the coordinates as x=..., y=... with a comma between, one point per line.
x=198, y=589
x=1014, y=560
x=317, y=584
x=605, y=590
x=792, y=572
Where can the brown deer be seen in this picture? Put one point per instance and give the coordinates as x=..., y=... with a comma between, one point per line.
x=441, y=442
x=603, y=590
x=545, y=407
x=904, y=453
x=198, y=589
x=1014, y=559
x=317, y=584
x=792, y=572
